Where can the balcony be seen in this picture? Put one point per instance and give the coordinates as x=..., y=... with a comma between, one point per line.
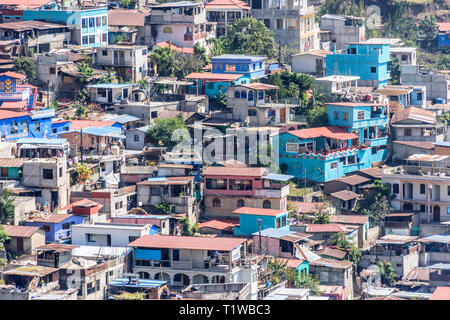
x=376, y=142
x=273, y=192
x=63, y=234
x=205, y=266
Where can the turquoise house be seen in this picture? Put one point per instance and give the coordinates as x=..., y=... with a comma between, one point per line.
x=355, y=139
x=368, y=61
x=251, y=218
x=89, y=26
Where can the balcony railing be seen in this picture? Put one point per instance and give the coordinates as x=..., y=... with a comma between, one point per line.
x=376, y=141
x=20, y=94
x=274, y=192
x=188, y=265
x=63, y=234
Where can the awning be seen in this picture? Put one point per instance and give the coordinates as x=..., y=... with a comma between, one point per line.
x=278, y=177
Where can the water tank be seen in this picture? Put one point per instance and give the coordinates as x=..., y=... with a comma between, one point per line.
x=439, y=101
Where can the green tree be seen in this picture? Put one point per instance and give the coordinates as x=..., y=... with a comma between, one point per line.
x=85, y=72
x=143, y=84
x=125, y=3
x=165, y=60
x=81, y=111
x=165, y=207
x=220, y=101
x=171, y=63
x=317, y=117
x=161, y=132
x=109, y=77
x=218, y=46
x=395, y=70
x=387, y=272
x=129, y=295
x=340, y=240
x=3, y=236
x=429, y=29
x=322, y=214
x=292, y=210
x=311, y=282
x=250, y=36
x=25, y=65
x=6, y=206
x=355, y=255
x=278, y=270
x=187, y=229
x=378, y=209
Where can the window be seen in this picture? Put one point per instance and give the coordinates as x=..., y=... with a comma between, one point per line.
x=216, y=203
x=60, y=172
x=252, y=112
x=92, y=39
x=52, y=70
x=136, y=138
x=336, y=115
x=84, y=40
x=361, y=115
x=104, y=21
x=250, y=96
x=237, y=94
x=24, y=125
x=422, y=188
x=47, y=173
x=395, y=188
x=66, y=226
x=333, y=165
x=277, y=223
x=344, y=115
x=104, y=52
x=419, y=96
x=220, y=184
x=373, y=69
x=14, y=127
x=407, y=132
x=244, y=95
x=448, y=190
x=46, y=227
x=90, y=288
x=97, y=22
x=84, y=23
x=240, y=184
x=240, y=203
x=91, y=22
x=90, y=237
x=286, y=246
x=132, y=238
x=422, y=208
x=393, y=98
x=260, y=95
x=104, y=37
x=210, y=85
x=291, y=147
x=230, y=67
x=267, y=204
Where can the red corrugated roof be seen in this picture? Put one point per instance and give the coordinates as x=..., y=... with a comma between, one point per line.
x=325, y=228
x=7, y=114
x=20, y=231
x=82, y=124
x=168, y=181
x=328, y=132
x=444, y=26
x=441, y=293
x=14, y=104
x=306, y=207
x=190, y=243
x=258, y=211
x=24, y=3
x=213, y=76
x=227, y=4
x=125, y=17
x=173, y=46
x=349, y=219
x=86, y=203
x=234, y=171
x=15, y=75
x=217, y=224
x=53, y=218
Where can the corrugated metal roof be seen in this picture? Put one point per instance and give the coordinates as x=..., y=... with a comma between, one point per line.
x=278, y=177
x=259, y=211
x=345, y=195
x=192, y=243
x=413, y=113
x=46, y=141
x=11, y=162
x=213, y=76
x=349, y=219
x=20, y=231
x=328, y=132
x=234, y=171
x=441, y=238
x=427, y=157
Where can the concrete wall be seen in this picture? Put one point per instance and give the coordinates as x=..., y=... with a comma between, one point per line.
x=119, y=237
x=437, y=84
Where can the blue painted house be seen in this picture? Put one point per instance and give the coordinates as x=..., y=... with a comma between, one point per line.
x=59, y=126
x=252, y=67
x=16, y=125
x=355, y=138
x=58, y=227
x=89, y=26
x=368, y=61
x=443, y=38
x=250, y=218
x=227, y=69
x=401, y=97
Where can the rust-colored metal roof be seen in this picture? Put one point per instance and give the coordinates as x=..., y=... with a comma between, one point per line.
x=259, y=86
x=57, y=247
x=258, y=211
x=6, y=114
x=392, y=238
x=52, y=218
x=173, y=46
x=413, y=113
x=328, y=132
x=31, y=271
x=332, y=252
x=190, y=243
x=306, y=207
x=217, y=224
x=331, y=263
x=29, y=25
x=15, y=75
x=417, y=144
x=354, y=179
x=444, y=26
x=345, y=195
x=401, y=214
x=21, y=105
x=373, y=172
x=227, y=4
x=83, y=124
x=349, y=219
x=234, y=171
x=125, y=18
x=12, y=162
x=20, y=231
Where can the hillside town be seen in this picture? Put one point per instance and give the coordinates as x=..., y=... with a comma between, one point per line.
x=224, y=150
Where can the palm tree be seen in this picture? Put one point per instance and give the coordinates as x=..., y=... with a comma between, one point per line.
x=278, y=270
x=6, y=206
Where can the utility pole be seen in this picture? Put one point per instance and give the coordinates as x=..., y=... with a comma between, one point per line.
x=259, y=235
